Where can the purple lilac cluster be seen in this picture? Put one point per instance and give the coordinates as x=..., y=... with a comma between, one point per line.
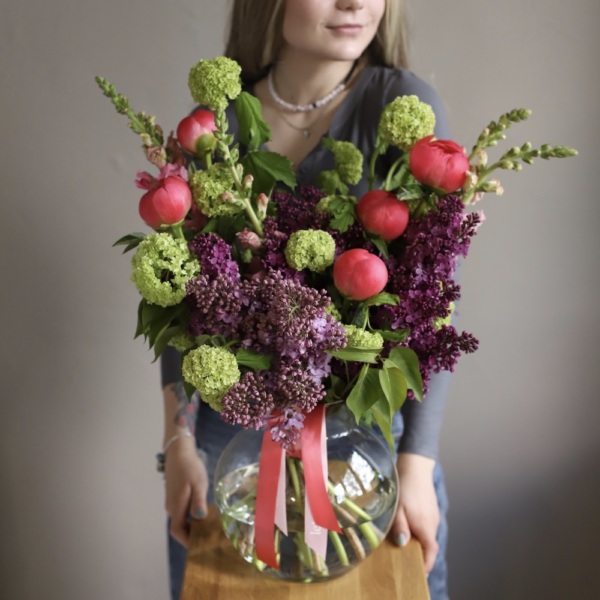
x=214, y=255
x=422, y=274
x=279, y=317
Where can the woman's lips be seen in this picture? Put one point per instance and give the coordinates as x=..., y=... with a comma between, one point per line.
x=346, y=29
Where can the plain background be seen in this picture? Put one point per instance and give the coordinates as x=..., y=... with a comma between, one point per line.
x=81, y=506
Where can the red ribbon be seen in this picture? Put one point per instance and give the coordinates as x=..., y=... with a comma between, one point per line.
x=266, y=497
x=313, y=461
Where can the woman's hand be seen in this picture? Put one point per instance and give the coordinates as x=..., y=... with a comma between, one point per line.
x=418, y=513
x=186, y=483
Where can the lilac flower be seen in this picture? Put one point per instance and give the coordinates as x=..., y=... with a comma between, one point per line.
x=214, y=255
x=248, y=402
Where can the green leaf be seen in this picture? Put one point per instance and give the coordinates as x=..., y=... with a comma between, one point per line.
x=383, y=298
x=343, y=211
x=140, y=327
x=253, y=360
x=393, y=384
x=406, y=360
x=190, y=390
x=163, y=338
x=130, y=241
x=267, y=168
x=382, y=418
x=356, y=354
x=254, y=131
x=399, y=335
x=366, y=391
x=381, y=245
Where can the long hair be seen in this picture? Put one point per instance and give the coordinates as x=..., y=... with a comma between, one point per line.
x=255, y=36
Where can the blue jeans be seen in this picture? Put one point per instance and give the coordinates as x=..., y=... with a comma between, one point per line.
x=213, y=434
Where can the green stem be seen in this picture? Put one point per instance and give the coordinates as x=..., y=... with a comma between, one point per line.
x=177, y=230
x=339, y=548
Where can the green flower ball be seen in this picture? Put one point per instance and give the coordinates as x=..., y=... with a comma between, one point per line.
x=310, y=249
x=359, y=338
x=214, y=82
x=208, y=188
x=162, y=266
x=212, y=371
x=405, y=121
x=348, y=161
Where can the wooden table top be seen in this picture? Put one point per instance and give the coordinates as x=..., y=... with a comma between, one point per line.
x=215, y=571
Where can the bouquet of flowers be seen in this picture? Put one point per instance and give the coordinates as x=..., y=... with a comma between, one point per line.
x=283, y=300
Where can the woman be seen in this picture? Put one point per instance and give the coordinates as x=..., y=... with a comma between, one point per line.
x=318, y=67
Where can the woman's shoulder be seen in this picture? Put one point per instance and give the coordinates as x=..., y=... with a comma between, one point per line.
x=382, y=84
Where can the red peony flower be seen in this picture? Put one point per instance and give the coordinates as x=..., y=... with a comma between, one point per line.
x=195, y=133
x=442, y=164
x=358, y=274
x=167, y=203
x=383, y=214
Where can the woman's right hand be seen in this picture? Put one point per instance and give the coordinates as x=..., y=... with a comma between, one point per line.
x=186, y=487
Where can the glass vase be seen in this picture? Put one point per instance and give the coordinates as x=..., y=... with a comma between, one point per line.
x=362, y=488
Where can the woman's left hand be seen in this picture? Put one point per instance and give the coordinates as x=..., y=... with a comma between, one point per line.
x=418, y=513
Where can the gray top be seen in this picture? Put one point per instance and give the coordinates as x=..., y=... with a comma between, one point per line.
x=356, y=121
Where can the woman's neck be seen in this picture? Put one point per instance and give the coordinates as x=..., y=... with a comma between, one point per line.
x=301, y=79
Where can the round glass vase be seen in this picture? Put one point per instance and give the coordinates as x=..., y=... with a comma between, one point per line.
x=362, y=488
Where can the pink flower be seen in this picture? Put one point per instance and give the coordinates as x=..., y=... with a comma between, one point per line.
x=383, y=214
x=195, y=133
x=167, y=203
x=441, y=164
x=358, y=274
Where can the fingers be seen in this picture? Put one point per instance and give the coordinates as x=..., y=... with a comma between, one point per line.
x=423, y=528
x=198, y=505
x=400, y=528
x=179, y=527
x=426, y=537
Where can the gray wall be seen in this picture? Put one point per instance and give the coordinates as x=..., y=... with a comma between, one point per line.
x=81, y=504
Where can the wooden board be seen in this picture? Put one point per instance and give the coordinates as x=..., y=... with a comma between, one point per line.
x=215, y=571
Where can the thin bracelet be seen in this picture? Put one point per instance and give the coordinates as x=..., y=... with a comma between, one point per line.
x=160, y=459
x=176, y=437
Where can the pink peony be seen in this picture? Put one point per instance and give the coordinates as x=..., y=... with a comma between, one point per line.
x=358, y=274
x=167, y=203
x=441, y=164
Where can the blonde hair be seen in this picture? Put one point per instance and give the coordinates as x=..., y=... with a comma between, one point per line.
x=255, y=36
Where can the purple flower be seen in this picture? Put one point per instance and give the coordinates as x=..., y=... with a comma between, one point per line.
x=214, y=256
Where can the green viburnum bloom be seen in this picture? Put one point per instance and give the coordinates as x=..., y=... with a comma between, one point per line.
x=212, y=371
x=405, y=121
x=162, y=266
x=215, y=81
x=182, y=341
x=334, y=312
x=348, y=161
x=359, y=338
x=208, y=188
x=439, y=322
x=311, y=249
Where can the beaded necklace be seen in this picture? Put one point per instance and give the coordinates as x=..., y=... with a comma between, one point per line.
x=312, y=105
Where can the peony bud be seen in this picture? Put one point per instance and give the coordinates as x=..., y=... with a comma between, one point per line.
x=359, y=275
x=383, y=214
x=168, y=203
x=195, y=133
x=248, y=239
x=441, y=164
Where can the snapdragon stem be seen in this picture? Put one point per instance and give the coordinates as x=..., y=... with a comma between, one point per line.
x=226, y=154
